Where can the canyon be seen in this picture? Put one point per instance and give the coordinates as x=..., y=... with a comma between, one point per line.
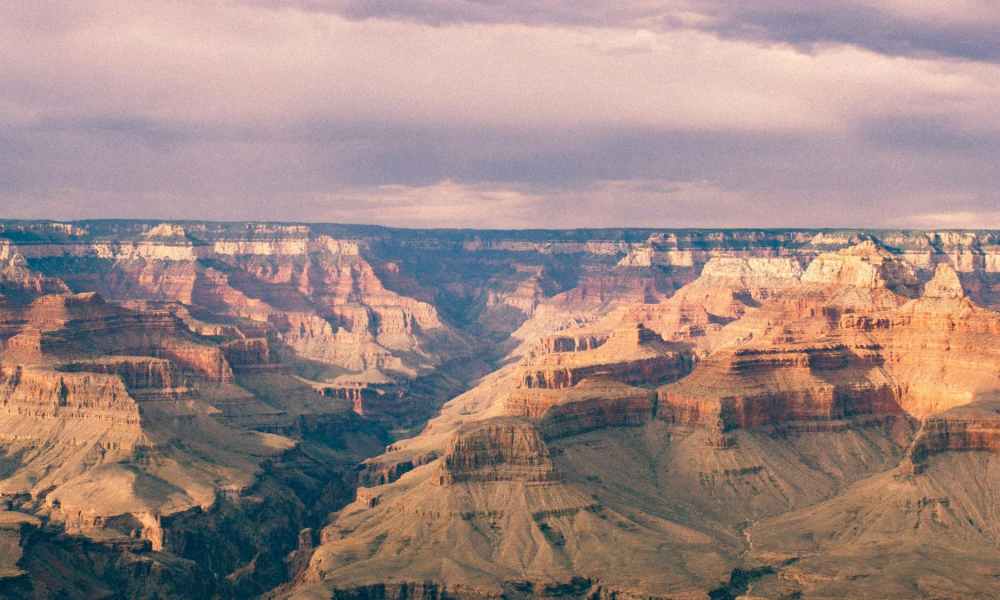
x=232, y=410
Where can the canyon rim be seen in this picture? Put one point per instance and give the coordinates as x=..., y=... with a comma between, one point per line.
x=197, y=409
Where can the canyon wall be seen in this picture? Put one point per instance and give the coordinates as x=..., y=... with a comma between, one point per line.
x=572, y=412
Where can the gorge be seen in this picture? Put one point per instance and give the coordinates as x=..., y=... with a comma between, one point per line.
x=231, y=410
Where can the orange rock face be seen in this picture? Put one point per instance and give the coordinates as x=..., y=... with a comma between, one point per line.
x=136, y=372
x=973, y=427
x=630, y=354
x=38, y=393
x=499, y=450
x=592, y=404
x=760, y=387
x=613, y=404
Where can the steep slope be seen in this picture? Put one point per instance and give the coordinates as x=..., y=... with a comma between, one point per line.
x=639, y=413
x=927, y=529
x=803, y=390
x=495, y=513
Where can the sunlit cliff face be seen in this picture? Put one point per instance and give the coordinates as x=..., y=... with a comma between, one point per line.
x=321, y=409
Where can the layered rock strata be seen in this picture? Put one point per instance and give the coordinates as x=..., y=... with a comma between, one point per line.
x=226, y=359
x=591, y=404
x=630, y=354
x=973, y=427
x=497, y=450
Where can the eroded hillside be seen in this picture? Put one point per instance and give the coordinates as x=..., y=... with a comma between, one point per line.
x=233, y=410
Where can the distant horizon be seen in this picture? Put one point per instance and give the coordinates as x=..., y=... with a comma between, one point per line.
x=147, y=221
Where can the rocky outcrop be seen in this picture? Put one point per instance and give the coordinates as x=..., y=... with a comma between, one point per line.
x=772, y=387
x=378, y=399
x=28, y=394
x=591, y=404
x=61, y=328
x=19, y=281
x=377, y=473
x=867, y=264
x=571, y=342
x=497, y=450
x=205, y=361
x=652, y=369
x=944, y=284
x=630, y=354
x=56, y=426
x=752, y=272
x=139, y=373
x=847, y=342
x=973, y=427
x=248, y=353
x=14, y=528
x=57, y=565
x=939, y=347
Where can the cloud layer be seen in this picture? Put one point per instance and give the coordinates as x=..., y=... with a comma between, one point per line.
x=536, y=113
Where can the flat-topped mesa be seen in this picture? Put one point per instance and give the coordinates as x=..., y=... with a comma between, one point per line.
x=502, y=449
x=819, y=356
x=24, y=347
x=55, y=311
x=361, y=396
x=203, y=361
x=375, y=473
x=973, y=427
x=371, y=394
x=591, y=404
x=166, y=231
x=631, y=354
x=570, y=342
x=865, y=265
x=782, y=386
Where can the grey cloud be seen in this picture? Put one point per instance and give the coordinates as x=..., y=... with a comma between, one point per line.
x=697, y=132
x=802, y=24
x=335, y=171
x=938, y=133
x=444, y=12
x=816, y=23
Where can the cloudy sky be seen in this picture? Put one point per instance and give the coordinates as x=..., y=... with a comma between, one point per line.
x=538, y=113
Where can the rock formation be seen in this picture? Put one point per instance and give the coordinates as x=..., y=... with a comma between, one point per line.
x=503, y=450
x=632, y=353
x=347, y=411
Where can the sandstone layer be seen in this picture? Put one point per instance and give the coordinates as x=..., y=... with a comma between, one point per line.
x=327, y=411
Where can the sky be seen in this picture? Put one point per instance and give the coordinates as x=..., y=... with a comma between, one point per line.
x=539, y=113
